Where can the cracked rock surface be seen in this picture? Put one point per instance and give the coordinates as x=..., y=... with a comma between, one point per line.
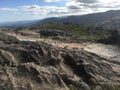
x=27, y=65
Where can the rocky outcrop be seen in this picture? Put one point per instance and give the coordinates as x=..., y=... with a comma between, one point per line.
x=40, y=66
x=50, y=33
x=55, y=35
x=94, y=70
x=29, y=67
x=29, y=76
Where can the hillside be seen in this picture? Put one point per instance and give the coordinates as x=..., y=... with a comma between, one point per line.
x=109, y=20
x=76, y=33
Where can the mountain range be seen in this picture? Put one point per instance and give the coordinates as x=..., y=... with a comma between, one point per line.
x=109, y=19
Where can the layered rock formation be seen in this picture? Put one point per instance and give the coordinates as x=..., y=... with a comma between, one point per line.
x=28, y=65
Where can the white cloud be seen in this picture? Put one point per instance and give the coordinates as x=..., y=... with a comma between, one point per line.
x=50, y=0
x=71, y=7
x=8, y=9
x=108, y=1
x=53, y=11
x=86, y=1
x=93, y=5
x=44, y=10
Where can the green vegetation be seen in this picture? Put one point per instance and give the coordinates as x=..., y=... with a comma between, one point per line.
x=78, y=31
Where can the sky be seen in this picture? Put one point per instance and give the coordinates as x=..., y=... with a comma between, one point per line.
x=18, y=10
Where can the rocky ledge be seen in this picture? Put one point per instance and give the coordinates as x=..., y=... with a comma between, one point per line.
x=27, y=65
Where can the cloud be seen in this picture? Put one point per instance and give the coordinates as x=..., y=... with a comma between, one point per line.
x=71, y=7
x=93, y=5
x=50, y=0
x=8, y=10
x=44, y=10
x=34, y=10
x=86, y=1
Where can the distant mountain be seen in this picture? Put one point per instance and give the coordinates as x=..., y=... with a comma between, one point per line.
x=109, y=19
x=19, y=23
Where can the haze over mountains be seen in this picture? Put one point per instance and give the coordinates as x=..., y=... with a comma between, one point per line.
x=109, y=19
x=18, y=23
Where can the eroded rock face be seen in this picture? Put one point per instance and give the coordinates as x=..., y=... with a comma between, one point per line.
x=30, y=77
x=94, y=70
x=40, y=66
x=30, y=67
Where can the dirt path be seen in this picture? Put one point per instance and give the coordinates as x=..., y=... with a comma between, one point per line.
x=49, y=41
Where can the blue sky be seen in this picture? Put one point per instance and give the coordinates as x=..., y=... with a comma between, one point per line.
x=17, y=10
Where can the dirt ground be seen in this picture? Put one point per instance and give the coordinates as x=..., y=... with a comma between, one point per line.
x=107, y=51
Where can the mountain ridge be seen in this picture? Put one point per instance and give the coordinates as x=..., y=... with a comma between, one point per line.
x=109, y=19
